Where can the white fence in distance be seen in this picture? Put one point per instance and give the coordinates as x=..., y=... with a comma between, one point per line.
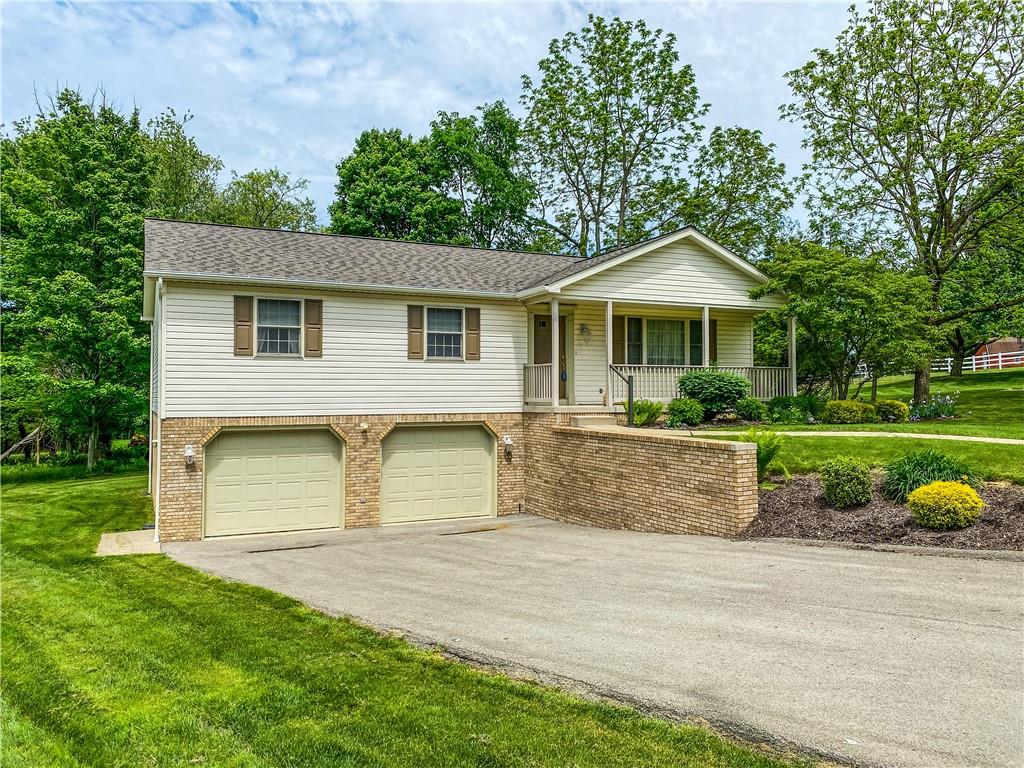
x=994, y=361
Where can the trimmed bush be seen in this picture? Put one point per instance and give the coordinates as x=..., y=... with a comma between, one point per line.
x=848, y=412
x=751, y=409
x=646, y=412
x=913, y=470
x=893, y=411
x=846, y=482
x=684, y=410
x=811, y=404
x=945, y=504
x=717, y=391
x=769, y=445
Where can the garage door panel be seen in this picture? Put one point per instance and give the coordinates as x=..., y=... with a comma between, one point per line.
x=266, y=481
x=437, y=472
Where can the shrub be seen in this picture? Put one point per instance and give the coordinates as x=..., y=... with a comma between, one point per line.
x=717, y=391
x=646, y=412
x=913, y=470
x=769, y=445
x=847, y=412
x=751, y=409
x=795, y=409
x=684, y=410
x=892, y=410
x=939, y=407
x=945, y=504
x=846, y=482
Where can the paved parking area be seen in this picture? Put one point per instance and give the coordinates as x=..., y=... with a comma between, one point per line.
x=876, y=657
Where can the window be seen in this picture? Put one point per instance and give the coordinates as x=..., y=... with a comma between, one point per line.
x=278, y=327
x=444, y=332
x=634, y=341
x=696, y=342
x=666, y=342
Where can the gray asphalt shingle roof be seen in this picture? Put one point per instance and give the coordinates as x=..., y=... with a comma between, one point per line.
x=177, y=247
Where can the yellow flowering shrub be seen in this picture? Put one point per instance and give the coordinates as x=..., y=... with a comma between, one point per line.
x=945, y=504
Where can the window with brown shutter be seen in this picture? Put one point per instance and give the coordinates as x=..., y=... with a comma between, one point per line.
x=415, y=331
x=618, y=340
x=243, y=326
x=314, y=330
x=713, y=341
x=472, y=333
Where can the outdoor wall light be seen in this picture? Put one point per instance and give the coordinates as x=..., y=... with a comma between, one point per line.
x=507, y=442
x=585, y=333
x=364, y=426
x=190, y=455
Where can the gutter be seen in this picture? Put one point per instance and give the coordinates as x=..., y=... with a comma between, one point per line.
x=154, y=445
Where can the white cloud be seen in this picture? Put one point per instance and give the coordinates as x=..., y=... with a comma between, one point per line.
x=292, y=85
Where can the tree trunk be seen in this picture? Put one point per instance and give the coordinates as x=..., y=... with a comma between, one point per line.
x=874, y=389
x=26, y=450
x=94, y=437
x=958, y=346
x=922, y=381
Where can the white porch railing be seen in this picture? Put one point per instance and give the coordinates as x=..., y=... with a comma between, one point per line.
x=661, y=382
x=537, y=383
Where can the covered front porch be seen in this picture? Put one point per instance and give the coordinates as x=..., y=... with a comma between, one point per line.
x=600, y=346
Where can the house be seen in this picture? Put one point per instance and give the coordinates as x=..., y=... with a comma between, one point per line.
x=304, y=381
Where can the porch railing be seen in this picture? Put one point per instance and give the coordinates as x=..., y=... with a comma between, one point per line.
x=537, y=383
x=661, y=382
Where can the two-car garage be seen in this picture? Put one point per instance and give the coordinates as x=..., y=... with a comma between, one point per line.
x=272, y=480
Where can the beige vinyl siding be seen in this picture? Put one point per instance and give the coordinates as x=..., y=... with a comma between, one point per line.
x=364, y=369
x=735, y=337
x=590, y=356
x=679, y=273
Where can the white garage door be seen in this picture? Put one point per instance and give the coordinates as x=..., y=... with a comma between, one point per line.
x=435, y=473
x=263, y=481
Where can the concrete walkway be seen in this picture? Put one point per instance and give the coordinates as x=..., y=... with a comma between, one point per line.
x=875, y=657
x=837, y=433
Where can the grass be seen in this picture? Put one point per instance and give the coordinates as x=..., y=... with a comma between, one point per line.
x=139, y=661
x=991, y=461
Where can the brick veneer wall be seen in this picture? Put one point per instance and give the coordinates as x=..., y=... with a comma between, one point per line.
x=181, y=486
x=638, y=479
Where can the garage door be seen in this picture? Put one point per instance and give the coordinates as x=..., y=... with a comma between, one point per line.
x=263, y=481
x=435, y=473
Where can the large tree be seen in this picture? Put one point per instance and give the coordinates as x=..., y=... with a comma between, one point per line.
x=850, y=308
x=612, y=115
x=914, y=118
x=736, y=192
x=478, y=162
x=75, y=187
x=185, y=183
x=270, y=199
x=388, y=187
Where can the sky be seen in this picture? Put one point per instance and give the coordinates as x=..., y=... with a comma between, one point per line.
x=292, y=85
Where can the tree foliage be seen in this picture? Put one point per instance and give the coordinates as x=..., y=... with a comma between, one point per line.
x=612, y=115
x=75, y=188
x=268, y=199
x=915, y=124
x=184, y=179
x=849, y=308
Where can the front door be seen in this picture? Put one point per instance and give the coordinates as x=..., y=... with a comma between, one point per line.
x=542, y=349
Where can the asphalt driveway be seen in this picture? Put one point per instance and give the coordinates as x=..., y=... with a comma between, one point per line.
x=876, y=657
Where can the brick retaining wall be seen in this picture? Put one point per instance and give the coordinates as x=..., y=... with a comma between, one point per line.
x=638, y=479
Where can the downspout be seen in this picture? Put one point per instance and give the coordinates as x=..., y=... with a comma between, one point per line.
x=154, y=449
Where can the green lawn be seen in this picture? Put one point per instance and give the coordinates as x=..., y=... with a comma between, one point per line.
x=991, y=461
x=139, y=661
x=990, y=404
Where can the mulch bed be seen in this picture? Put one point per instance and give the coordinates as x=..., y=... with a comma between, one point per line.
x=798, y=510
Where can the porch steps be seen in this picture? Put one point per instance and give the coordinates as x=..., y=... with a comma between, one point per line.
x=593, y=421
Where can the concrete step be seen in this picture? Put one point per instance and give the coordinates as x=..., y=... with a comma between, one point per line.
x=592, y=421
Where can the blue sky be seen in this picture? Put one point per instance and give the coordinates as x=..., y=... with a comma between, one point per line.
x=292, y=84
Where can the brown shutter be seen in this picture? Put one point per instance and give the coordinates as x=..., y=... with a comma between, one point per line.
x=243, y=326
x=472, y=333
x=314, y=331
x=415, y=331
x=713, y=342
x=618, y=340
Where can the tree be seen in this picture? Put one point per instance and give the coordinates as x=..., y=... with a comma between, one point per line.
x=612, y=115
x=849, y=308
x=184, y=182
x=915, y=117
x=75, y=187
x=737, y=193
x=388, y=187
x=268, y=199
x=478, y=161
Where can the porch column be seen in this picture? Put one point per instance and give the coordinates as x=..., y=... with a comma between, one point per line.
x=608, y=352
x=791, y=334
x=705, y=337
x=555, y=362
